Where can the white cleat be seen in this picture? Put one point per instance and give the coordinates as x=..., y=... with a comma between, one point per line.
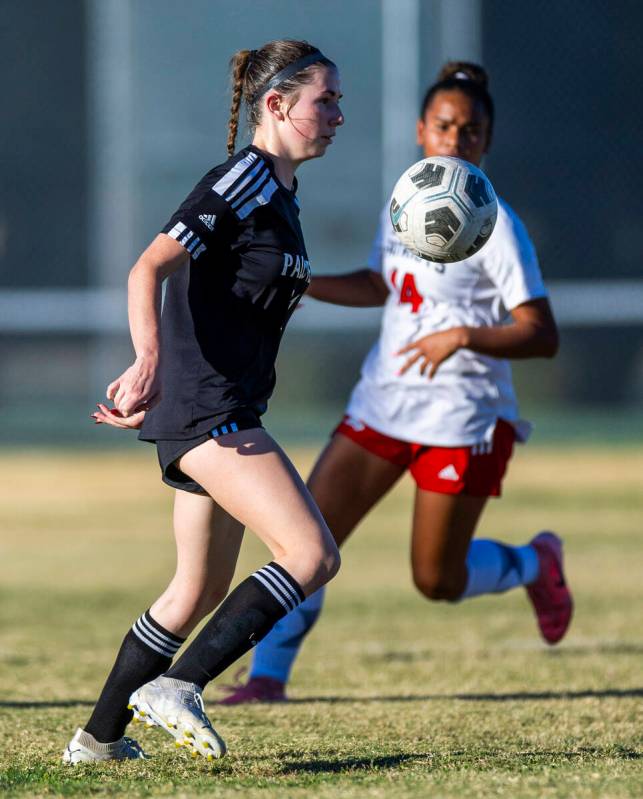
x=177, y=707
x=84, y=748
x=141, y=718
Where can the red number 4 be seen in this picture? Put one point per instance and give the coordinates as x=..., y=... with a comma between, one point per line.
x=408, y=292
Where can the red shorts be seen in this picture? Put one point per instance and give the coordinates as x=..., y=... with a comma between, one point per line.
x=476, y=470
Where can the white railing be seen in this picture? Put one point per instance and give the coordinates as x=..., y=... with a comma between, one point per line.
x=93, y=311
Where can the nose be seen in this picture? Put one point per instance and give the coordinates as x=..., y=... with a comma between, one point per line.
x=452, y=140
x=463, y=144
x=338, y=120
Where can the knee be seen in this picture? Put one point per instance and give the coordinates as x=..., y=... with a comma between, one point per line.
x=333, y=561
x=323, y=566
x=328, y=563
x=440, y=585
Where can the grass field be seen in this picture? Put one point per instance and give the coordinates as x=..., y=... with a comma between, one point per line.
x=393, y=696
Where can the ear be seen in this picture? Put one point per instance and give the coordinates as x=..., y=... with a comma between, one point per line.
x=419, y=130
x=274, y=104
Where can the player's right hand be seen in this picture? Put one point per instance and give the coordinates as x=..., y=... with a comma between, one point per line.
x=113, y=417
x=137, y=389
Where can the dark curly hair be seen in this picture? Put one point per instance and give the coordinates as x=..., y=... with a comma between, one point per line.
x=463, y=76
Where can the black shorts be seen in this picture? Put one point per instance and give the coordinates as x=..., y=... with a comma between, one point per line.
x=222, y=424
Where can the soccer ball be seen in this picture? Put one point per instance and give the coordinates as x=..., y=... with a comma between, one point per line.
x=443, y=209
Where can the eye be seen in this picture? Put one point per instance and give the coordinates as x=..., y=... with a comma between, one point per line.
x=472, y=133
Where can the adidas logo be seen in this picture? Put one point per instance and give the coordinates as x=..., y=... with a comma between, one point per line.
x=356, y=424
x=448, y=473
x=208, y=220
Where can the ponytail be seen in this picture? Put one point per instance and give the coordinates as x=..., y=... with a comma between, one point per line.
x=238, y=66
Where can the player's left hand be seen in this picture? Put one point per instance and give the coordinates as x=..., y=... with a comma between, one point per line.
x=114, y=417
x=432, y=350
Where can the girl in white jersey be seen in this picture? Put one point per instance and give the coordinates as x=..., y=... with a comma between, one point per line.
x=436, y=397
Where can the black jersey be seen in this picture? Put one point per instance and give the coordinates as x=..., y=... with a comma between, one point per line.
x=224, y=314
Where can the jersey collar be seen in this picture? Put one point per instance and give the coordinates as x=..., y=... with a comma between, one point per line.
x=271, y=167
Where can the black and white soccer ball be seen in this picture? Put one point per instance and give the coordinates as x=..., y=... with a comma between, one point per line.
x=444, y=209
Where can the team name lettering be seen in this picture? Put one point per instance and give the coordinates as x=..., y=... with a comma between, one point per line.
x=295, y=266
x=396, y=248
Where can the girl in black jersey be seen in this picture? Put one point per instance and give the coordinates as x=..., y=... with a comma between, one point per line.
x=236, y=265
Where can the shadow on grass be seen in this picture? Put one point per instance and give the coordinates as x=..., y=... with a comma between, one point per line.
x=353, y=763
x=27, y=705
x=523, y=696
x=562, y=652
x=436, y=760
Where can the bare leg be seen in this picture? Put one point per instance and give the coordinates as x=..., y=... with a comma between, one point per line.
x=208, y=540
x=249, y=475
x=346, y=482
x=447, y=564
x=443, y=525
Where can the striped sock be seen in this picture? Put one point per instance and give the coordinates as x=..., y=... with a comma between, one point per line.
x=240, y=622
x=153, y=635
x=147, y=651
x=281, y=585
x=275, y=655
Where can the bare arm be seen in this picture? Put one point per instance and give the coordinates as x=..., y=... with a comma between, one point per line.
x=362, y=289
x=531, y=334
x=137, y=388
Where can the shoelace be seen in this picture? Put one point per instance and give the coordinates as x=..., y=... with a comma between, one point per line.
x=193, y=698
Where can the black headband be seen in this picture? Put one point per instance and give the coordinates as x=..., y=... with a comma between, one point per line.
x=316, y=57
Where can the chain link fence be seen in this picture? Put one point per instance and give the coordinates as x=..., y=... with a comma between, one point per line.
x=566, y=155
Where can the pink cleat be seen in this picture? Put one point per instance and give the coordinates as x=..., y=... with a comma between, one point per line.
x=257, y=689
x=549, y=593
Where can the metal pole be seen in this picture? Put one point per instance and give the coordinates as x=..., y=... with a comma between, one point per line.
x=461, y=30
x=110, y=112
x=400, y=88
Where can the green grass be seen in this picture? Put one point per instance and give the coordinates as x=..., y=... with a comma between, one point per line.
x=392, y=697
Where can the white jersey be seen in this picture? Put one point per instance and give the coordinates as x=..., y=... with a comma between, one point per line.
x=461, y=404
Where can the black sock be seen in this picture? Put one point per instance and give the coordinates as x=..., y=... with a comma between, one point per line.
x=242, y=620
x=146, y=652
